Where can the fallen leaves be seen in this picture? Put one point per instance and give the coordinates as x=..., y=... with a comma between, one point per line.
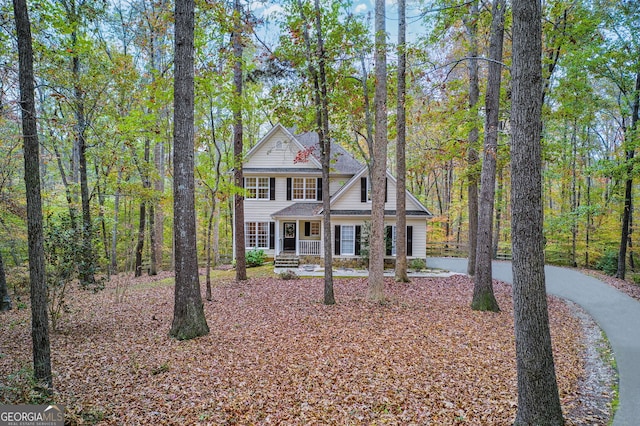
x=277, y=355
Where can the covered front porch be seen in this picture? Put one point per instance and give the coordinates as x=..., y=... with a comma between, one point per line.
x=299, y=237
x=299, y=230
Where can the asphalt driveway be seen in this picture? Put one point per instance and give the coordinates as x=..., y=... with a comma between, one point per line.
x=615, y=312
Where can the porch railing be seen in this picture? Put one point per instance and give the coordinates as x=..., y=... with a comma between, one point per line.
x=310, y=248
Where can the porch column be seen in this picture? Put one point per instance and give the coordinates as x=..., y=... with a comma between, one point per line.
x=276, y=243
x=297, y=237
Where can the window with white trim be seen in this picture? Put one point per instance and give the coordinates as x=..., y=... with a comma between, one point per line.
x=347, y=240
x=315, y=229
x=393, y=240
x=256, y=235
x=305, y=188
x=257, y=188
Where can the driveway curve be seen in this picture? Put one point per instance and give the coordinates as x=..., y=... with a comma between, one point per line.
x=615, y=312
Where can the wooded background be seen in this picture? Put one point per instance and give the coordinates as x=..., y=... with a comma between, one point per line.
x=104, y=84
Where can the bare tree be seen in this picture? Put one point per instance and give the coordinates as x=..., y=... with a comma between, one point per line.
x=379, y=160
x=483, y=297
x=37, y=280
x=538, y=400
x=188, y=313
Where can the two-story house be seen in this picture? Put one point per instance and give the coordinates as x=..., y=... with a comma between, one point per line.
x=283, y=200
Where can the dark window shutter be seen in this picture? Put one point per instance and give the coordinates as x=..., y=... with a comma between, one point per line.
x=409, y=240
x=272, y=188
x=389, y=235
x=319, y=189
x=363, y=190
x=272, y=235
x=288, y=189
x=244, y=185
x=336, y=240
x=307, y=229
x=386, y=186
x=358, y=233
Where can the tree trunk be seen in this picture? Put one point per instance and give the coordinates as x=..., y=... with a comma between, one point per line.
x=472, y=151
x=103, y=224
x=188, y=314
x=158, y=221
x=209, y=232
x=375, y=291
x=574, y=193
x=5, y=299
x=146, y=184
x=588, y=225
x=86, y=266
x=37, y=280
x=483, y=297
x=538, y=400
x=140, y=244
x=241, y=262
x=628, y=192
x=153, y=263
x=114, y=230
x=498, y=223
x=325, y=145
x=401, y=178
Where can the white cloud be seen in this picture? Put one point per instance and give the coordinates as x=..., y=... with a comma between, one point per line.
x=361, y=8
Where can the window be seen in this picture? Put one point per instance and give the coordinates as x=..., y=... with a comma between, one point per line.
x=304, y=188
x=257, y=188
x=256, y=235
x=365, y=189
x=393, y=240
x=347, y=240
x=315, y=229
x=390, y=238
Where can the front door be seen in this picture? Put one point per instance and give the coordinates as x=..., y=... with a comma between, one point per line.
x=289, y=240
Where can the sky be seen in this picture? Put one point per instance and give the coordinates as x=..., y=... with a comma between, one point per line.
x=269, y=9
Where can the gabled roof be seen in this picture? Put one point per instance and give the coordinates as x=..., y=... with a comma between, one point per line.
x=289, y=135
x=356, y=178
x=341, y=160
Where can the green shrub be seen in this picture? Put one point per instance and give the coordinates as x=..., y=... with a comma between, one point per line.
x=288, y=275
x=20, y=387
x=608, y=263
x=255, y=258
x=417, y=264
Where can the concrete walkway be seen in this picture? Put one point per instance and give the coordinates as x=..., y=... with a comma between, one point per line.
x=615, y=312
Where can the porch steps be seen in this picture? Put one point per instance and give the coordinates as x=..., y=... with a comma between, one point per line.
x=287, y=261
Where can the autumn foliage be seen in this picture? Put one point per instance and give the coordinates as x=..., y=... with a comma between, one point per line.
x=277, y=355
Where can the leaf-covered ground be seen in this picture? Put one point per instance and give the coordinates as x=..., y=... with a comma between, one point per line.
x=277, y=355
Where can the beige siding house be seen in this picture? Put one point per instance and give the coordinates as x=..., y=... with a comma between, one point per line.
x=283, y=200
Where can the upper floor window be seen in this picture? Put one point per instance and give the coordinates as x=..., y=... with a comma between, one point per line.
x=365, y=189
x=257, y=188
x=305, y=188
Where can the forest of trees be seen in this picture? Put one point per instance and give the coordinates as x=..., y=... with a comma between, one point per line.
x=104, y=75
x=504, y=118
